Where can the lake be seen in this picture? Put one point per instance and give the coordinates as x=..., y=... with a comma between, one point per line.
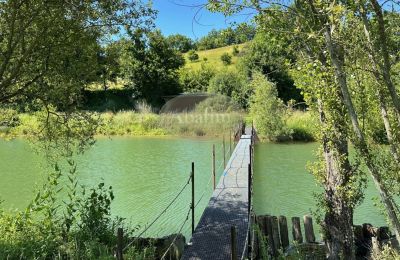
x=146, y=174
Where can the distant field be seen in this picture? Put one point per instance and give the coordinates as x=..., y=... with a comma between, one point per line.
x=214, y=57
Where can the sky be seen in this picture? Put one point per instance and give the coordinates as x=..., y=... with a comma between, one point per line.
x=178, y=16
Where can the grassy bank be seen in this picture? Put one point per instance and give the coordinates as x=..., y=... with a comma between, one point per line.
x=131, y=123
x=300, y=126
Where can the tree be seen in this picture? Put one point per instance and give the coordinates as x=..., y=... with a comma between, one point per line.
x=196, y=80
x=193, y=56
x=226, y=59
x=266, y=109
x=180, y=42
x=303, y=23
x=150, y=66
x=49, y=51
x=270, y=55
x=231, y=84
x=238, y=34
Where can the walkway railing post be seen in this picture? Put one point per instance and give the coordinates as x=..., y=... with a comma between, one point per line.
x=120, y=238
x=249, y=210
x=223, y=145
x=230, y=142
x=234, y=255
x=192, y=177
x=213, y=165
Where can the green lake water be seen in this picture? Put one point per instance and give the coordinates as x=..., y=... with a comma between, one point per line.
x=146, y=174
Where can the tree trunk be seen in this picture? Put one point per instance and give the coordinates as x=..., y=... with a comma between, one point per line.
x=338, y=220
x=337, y=58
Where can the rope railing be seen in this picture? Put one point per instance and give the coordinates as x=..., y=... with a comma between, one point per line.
x=159, y=215
x=177, y=234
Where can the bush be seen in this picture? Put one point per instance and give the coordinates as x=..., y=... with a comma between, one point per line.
x=196, y=80
x=231, y=84
x=226, y=59
x=235, y=51
x=303, y=126
x=193, y=56
x=218, y=104
x=267, y=110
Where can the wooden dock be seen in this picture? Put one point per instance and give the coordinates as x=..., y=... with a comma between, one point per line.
x=227, y=208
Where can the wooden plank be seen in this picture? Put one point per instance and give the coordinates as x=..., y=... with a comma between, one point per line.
x=296, y=230
x=283, y=231
x=309, y=229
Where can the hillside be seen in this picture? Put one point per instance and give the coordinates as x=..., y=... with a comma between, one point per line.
x=213, y=57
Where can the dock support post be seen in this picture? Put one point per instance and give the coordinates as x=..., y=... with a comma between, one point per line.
x=213, y=165
x=296, y=230
x=192, y=177
x=283, y=231
x=234, y=255
x=120, y=238
x=309, y=229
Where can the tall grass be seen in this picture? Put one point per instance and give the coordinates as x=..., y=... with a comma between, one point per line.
x=302, y=125
x=146, y=123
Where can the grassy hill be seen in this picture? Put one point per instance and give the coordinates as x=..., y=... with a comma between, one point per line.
x=213, y=57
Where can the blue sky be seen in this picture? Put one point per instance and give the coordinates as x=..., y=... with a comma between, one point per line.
x=177, y=16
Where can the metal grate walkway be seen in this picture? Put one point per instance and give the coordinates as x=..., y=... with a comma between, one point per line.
x=227, y=207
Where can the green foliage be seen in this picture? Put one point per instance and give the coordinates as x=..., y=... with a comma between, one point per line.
x=267, y=110
x=196, y=80
x=193, y=56
x=235, y=51
x=226, y=59
x=270, y=54
x=54, y=55
x=180, y=42
x=107, y=100
x=149, y=65
x=218, y=104
x=219, y=38
x=231, y=84
x=303, y=126
x=78, y=228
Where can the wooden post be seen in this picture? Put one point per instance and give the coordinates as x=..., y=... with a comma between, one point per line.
x=223, y=145
x=275, y=234
x=234, y=255
x=254, y=238
x=283, y=230
x=249, y=189
x=230, y=142
x=120, y=242
x=268, y=224
x=309, y=229
x=213, y=166
x=296, y=230
x=192, y=198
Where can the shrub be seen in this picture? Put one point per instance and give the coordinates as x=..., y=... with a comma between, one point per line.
x=235, y=51
x=302, y=125
x=232, y=84
x=217, y=104
x=226, y=59
x=267, y=110
x=196, y=80
x=193, y=56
